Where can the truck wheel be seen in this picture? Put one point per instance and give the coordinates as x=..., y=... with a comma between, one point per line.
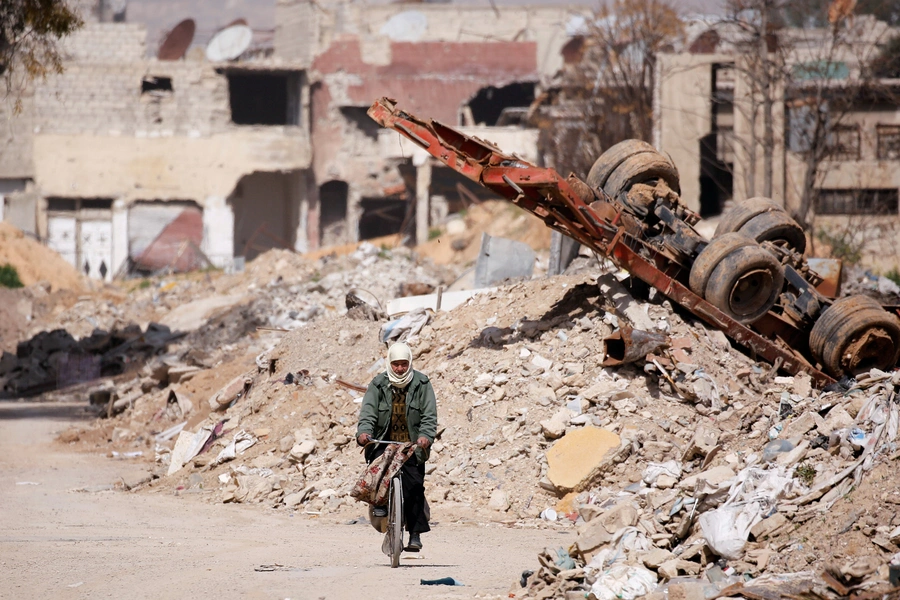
x=763, y=220
x=711, y=256
x=641, y=168
x=612, y=158
x=745, y=284
x=737, y=276
x=854, y=335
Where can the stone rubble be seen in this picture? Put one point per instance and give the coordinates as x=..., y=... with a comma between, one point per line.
x=696, y=469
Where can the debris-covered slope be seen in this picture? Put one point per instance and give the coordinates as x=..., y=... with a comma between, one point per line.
x=692, y=459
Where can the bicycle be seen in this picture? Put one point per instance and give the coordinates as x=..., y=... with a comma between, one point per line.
x=393, y=528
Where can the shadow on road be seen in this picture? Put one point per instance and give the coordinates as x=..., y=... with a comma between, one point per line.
x=61, y=411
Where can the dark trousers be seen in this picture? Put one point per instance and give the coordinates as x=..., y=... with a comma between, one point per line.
x=412, y=475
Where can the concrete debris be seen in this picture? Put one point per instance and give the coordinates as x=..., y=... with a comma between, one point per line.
x=500, y=259
x=661, y=466
x=229, y=394
x=187, y=446
x=577, y=460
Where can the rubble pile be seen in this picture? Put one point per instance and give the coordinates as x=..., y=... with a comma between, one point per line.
x=690, y=465
x=712, y=513
x=857, y=280
x=281, y=289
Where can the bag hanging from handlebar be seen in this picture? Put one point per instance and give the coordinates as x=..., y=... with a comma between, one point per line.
x=374, y=483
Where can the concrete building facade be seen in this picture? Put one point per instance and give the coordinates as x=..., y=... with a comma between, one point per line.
x=704, y=105
x=462, y=65
x=127, y=163
x=121, y=146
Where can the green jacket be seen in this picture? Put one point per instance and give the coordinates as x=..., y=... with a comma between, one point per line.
x=421, y=412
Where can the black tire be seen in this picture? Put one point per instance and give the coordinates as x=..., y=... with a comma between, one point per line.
x=395, y=528
x=830, y=319
x=855, y=334
x=641, y=168
x=763, y=220
x=746, y=284
x=743, y=211
x=612, y=158
x=711, y=256
x=777, y=227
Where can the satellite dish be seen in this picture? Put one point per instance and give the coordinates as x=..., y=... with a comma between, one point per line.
x=177, y=41
x=229, y=43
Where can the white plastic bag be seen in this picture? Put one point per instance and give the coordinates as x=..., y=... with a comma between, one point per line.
x=624, y=582
x=727, y=528
x=654, y=470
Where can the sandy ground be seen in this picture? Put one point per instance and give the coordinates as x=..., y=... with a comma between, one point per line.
x=59, y=542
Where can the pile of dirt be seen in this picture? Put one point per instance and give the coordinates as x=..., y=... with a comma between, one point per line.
x=36, y=262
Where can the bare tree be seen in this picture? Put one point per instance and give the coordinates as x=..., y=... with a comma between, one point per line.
x=604, y=93
x=815, y=76
x=823, y=92
x=756, y=27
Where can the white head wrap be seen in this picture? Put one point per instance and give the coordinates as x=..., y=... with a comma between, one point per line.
x=399, y=351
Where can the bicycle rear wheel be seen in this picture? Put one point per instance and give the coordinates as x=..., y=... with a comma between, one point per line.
x=395, y=526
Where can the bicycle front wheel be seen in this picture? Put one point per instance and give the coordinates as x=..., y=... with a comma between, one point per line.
x=395, y=527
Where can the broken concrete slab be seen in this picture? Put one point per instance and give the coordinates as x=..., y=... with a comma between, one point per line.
x=501, y=259
x=448, y=301
x=187, y=446
x=705, y=439
x=192, y=315
x=580, y=456
x=763, y=529
x=233, y=390
x=713, y=477
x=624, y=303
x=499, y=501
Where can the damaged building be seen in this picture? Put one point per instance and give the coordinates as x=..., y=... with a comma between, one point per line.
x=185, y=159
x=709, y=117
x=125, y=161
x=475, y=67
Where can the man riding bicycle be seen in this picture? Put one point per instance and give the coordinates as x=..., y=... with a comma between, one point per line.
x=400, y=406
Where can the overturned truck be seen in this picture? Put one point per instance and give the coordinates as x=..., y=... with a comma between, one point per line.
x=751, y=280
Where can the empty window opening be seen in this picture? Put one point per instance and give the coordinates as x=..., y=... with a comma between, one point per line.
x=510, y=101
x=843, y=143
x=717, y=149
x=716, y=180
x=382, y=216
x=333, y=212
x=857, y=202
x=888, y=142
x=264, y=98
x=62, y=204
x=151, y=84
x=71, y=204
x=265, y=206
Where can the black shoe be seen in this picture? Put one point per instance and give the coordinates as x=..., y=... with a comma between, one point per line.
x=415, y=544
x=379, y=511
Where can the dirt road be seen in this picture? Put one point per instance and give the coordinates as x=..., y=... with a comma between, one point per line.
x=62, y=543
